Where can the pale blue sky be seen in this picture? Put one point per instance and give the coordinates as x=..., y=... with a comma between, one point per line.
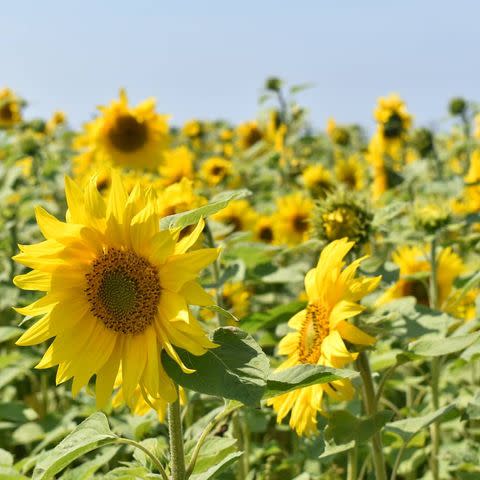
x=209, y=58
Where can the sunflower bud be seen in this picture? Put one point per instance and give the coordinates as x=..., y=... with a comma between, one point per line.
x=342, y=214
x=273, y=83
x=37, y=125
x=457, y=106
x=430, y=217
x=423, y=141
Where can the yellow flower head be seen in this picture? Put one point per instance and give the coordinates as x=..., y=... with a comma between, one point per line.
x=413, y=261
x=249, y=134
x=58, y=119
x=216, y=169
x=125, y=136
x=320, y=331
x=351, y=172
x=237, y=214
x=392, y=116
x=178, y=164
x=192, y=129
x=339, y=135
x=235, y=297
x=264, y=229
x=177, y=198
x=10, y=108
x=292, y=219
x=117, y=292
x=318, y=180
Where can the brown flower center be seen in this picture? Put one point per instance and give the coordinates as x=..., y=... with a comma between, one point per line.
x=300, y=223
x=123, y=290
x=315, y=329
x=6, y=112
x=266, y=234
x=128, y=134
x=417, y=289
x=218, y=170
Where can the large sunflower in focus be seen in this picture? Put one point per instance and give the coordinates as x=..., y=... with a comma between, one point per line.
x=125, y=136
x=117, y=292
x=320, y=331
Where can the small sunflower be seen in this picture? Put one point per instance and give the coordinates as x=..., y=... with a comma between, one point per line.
x=193, y=129
x=178, y=164
x=117, y=292
x=339, y=135
x=237, y=214
x=235, y=298
x=10, y=108
x=350, y=172
x=342, y=214
x=125, y=136
x=292, y=219
x=320, y=331
x=249, y=134
x=413, y=261
x=215, y=170
x=318, y=180
x=57, y=120
x=264, y=230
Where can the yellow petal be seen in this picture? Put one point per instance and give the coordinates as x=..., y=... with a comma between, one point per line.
x=194, y=294
x=189, y=240
x=133, y=363
x=40, y=331
x=353, y=334
x=33, y=280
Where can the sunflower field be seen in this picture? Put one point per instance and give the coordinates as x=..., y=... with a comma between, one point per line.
x=262, y=301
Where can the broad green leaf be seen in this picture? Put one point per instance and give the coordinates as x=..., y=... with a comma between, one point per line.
x=217, y=468
x=332, y=450
x=237, y=369
x=406, y=429
x=343, y=427
x=472, y=412
x=220, y=201
x=6, y=458
x=86, y=470
x=436, y=347
x=8, y=333
x=300, y=376
x=272, y=317
x=92, y=433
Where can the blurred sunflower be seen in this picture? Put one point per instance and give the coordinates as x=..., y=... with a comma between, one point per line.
x=193, y=129
x=10, y=108
x=215, y=170
x=177, y=198
x=117, y=292
x=292, y=219
x=125, y=136
x=318, y=180
x=178, y=164
x=237, y=214
x=57, y=120
x=320, y=331
x=339, y=135
x=235, y=298
x=264, y=230
x=413, y=262
x=350, y=172
x=249, y=134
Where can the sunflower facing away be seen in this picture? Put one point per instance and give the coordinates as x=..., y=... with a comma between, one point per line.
x=319, y=334
x=117, y=292
x=125, y=136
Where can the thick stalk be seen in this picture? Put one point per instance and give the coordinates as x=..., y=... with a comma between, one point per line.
x=177, y=455
x=352, y=463
x=434, y=367
x=368, y=391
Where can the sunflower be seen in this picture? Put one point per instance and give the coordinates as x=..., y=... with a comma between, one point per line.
x=193, y=129
x=177, y=198
x=216, y=169
x=117, y=292
x=249, y=134
x=178, y=164
x=10, y=108
x=292, y=220
x=264, y=230
x=318, y=180
x=57, y=120
x=125, y=136
x=320, y=331
x=235, y=298
x=339, y=135
x=413, y=262
x=237, y=214
x=350, y=172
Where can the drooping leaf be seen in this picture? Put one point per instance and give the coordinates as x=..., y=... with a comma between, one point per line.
x=300, y=376
x=237, y=369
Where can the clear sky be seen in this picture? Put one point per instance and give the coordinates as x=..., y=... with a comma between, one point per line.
x=208, y=59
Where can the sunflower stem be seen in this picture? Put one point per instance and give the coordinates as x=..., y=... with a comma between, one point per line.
x=177, y=455
x=352, y=463
x=434, y=367
x=368, y=390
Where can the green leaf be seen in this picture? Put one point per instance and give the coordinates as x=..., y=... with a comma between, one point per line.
x=472, y=412
x=436, y=347
x=406, y=429
x=300, y=88
x=8, y=333
x=272, y=317
x=217, y=203
x=300, y=376
x=236, y=369
x=92, y=433
x=343, y=427
x=6, y=458
x=332, y=450
x=88, y=469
